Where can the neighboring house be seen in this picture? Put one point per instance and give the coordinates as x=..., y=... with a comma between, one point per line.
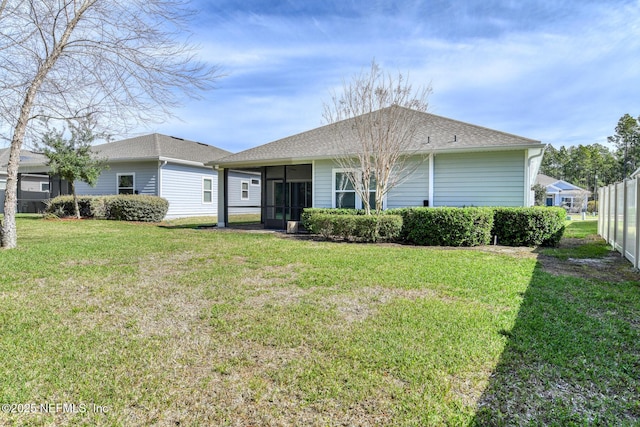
x=456, y=164
x=164, y=166
x=563, y=193
x=34, y=183
x=244, y=193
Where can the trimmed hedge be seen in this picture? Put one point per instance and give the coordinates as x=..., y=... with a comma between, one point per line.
x=122, y=207
x=536, y=226
x=138, y=208
x=446, y=226
x=349, y=224
x=90, y=206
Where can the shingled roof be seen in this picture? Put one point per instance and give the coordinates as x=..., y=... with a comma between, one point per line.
x=159, y=147
x=434, y=134
x=26, y=158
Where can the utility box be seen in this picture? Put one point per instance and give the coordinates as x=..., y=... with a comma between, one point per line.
x=292, y=227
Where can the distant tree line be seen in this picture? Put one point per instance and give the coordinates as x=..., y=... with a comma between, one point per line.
x=596, y=165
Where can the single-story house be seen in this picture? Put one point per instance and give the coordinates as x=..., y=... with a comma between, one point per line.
x=34, y=183
x=563, y=193
x=455, y=164
x=165, y=166
x=155, y=164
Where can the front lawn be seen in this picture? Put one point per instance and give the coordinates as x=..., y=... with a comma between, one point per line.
x=140, y=324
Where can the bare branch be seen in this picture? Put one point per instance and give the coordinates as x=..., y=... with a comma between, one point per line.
x=376, y=120
x=124, y=62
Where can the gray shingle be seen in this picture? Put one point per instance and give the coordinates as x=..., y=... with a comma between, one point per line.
x=155, y=146
x=326, y=142
x=147, y=147
x=26, y=158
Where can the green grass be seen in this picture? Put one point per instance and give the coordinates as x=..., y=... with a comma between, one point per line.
x=590, y=246
x=166, y=325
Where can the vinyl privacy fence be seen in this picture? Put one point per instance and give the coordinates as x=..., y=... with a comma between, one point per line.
x=619, y=222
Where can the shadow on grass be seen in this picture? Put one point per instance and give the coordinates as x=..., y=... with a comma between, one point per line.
x=194, y=226
x=572, y=357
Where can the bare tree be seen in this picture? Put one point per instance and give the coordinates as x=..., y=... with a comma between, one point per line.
x=579, y=201
x=378, y=135
x=124, y=62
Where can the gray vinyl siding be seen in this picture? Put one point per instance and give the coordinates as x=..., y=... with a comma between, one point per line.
x=146, y=179
x=235, y=193
x=32, y=183
x=479, y=179
x=413, y=190
x=183, y=187
x=322, y=185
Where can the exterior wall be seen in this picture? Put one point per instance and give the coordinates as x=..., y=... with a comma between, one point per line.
x=465, y=179
x=322, y=185
x=493, y=178
x=415, y=189
x=183, y=187
x=146, y=179
x=236, y=203
x=32, y=183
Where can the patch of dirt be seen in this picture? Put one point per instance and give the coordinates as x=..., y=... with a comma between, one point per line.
x=612, y=268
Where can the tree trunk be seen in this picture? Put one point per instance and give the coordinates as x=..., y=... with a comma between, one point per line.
x=75, y=199
x=9, y=232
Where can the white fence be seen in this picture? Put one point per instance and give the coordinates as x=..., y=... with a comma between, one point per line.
x=618, y=221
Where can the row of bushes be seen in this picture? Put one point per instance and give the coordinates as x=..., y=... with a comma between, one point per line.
x=121, y=207
x=446, y=226
x=352, y=225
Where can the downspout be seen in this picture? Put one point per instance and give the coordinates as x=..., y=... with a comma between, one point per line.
x=161, y=165
x=529, y=177
x=431, y=177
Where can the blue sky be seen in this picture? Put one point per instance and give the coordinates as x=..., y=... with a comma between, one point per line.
x=562, y=72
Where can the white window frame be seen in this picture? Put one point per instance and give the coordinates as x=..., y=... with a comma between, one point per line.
x=133, y=189
x=567, y=199
x=242, y=190
x=204, y=190
x=358, y=199
x=48, y=184
x=257, y=182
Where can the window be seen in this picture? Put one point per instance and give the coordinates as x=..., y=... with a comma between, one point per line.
x=345, y=195
x=45, y=187
x=3, y=184
x=255, y=181
x=207, y=190
x=244, y=190
x=126, y=183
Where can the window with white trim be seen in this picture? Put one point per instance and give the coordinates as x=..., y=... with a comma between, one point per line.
x=126, y=183
x=207, y=190
x=45, y=186
x=244, y=190
x=345, y=195
x=343, y=190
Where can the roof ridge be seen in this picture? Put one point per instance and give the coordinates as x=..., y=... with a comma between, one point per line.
x=156, y=142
